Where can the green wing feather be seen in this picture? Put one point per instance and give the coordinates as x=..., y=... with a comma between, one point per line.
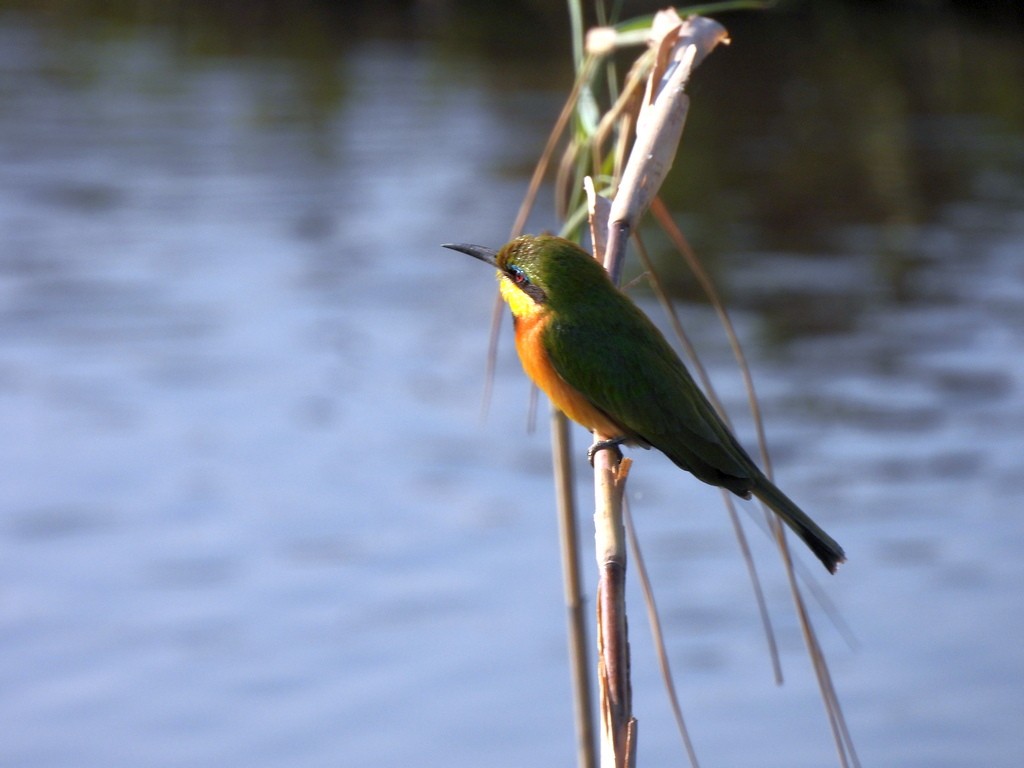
x=616, y=358
x=623, y=365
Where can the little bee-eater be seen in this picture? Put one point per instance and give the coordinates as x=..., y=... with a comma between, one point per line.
x=605, y=365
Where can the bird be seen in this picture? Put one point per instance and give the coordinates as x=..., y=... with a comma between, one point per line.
x=605, y=365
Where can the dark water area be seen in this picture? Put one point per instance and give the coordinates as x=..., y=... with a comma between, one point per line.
x=249, y=513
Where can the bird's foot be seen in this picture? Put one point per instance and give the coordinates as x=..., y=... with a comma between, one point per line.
x=606, y=445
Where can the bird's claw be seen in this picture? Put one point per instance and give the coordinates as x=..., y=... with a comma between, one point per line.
x=606, y=445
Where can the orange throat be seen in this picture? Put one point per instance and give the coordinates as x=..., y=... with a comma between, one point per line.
x=537, y=364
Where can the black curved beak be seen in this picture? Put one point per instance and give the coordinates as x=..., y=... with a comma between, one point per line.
x=486, y=255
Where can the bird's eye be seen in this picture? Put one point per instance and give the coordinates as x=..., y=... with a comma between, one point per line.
x=517, y=275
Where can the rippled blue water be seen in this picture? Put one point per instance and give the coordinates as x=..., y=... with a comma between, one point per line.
x=250, y=515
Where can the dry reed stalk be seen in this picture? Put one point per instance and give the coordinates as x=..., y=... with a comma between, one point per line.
x=678, y=46
x=586, y=756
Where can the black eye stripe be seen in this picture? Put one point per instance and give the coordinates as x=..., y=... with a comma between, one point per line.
x=522, y=281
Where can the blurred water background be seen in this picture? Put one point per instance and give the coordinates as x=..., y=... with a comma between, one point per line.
x=249, y=513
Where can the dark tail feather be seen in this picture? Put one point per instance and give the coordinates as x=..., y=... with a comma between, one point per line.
x=821, y=544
